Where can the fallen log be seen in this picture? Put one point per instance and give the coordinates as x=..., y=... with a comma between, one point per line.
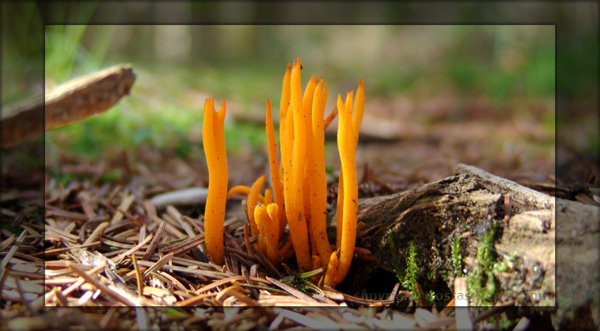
x=68, y=103
x=503, y=234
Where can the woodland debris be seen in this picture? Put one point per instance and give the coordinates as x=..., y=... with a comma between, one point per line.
x=68, y=103
x=466, y=206
x=183, y=278
x=187, y=197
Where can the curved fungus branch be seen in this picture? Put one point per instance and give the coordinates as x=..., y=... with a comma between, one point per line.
x=331, y=116
x=213, y=140
x=243, y=190
x=252, y=199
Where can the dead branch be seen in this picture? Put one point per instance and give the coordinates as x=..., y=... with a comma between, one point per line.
x=68, y=103
x=186, y=197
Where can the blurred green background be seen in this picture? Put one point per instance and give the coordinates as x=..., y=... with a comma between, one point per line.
x=459, y=70
x=177, y=66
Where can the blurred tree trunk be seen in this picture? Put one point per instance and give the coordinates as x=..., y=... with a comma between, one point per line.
x=172, y=43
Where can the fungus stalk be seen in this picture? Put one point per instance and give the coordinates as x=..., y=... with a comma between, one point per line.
x=274, y=165
x=252, y=200
x=272, y=233
x=318, y=182
x=348, y=129
x=213, y=140
x=294, y=198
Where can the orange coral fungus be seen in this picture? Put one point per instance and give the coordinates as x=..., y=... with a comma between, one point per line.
x=213, y=140
x=274, y=164
x=298, y=193
x=244, y=190
x=260, y=212
x=348, y=129
x=339, y=209
x=295, y=170
x=318, y=182
x=267, y=222
x=268, y=197
x=272, y=233
x=306, y=113
x=331, y=116
x=252, y=199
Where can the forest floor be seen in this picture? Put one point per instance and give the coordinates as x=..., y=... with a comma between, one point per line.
x=98, y=218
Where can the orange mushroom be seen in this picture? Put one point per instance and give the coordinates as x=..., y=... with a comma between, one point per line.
x=272, y=233
x=267, y=221
x=268, y=197
x=331, y=116
x=213, y=140
x=299, y=188
x=294, y=193
x=252, y=199
x=348, y=129
x=260, y=212
x=339, y=212
x=244, y=190
x=286, y=138
x=276, y=181
x=318, y=180
x=307, y=102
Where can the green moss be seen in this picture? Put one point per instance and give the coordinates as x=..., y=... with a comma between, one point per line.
x=111, y=176
x=481, y=281
x=457, y=258
x=407, y=276
x=508, y=324
x=302, y=281
x=430, y=297
x=409, y=281
x=174, y=313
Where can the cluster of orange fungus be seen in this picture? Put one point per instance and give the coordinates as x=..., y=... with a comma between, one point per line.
x=213, y=139
x=298, y=193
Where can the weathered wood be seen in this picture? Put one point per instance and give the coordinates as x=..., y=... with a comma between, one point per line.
x=465, y=206
x=520, y=194
x=577, y=246
x=186, y=197
x=68, y=103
